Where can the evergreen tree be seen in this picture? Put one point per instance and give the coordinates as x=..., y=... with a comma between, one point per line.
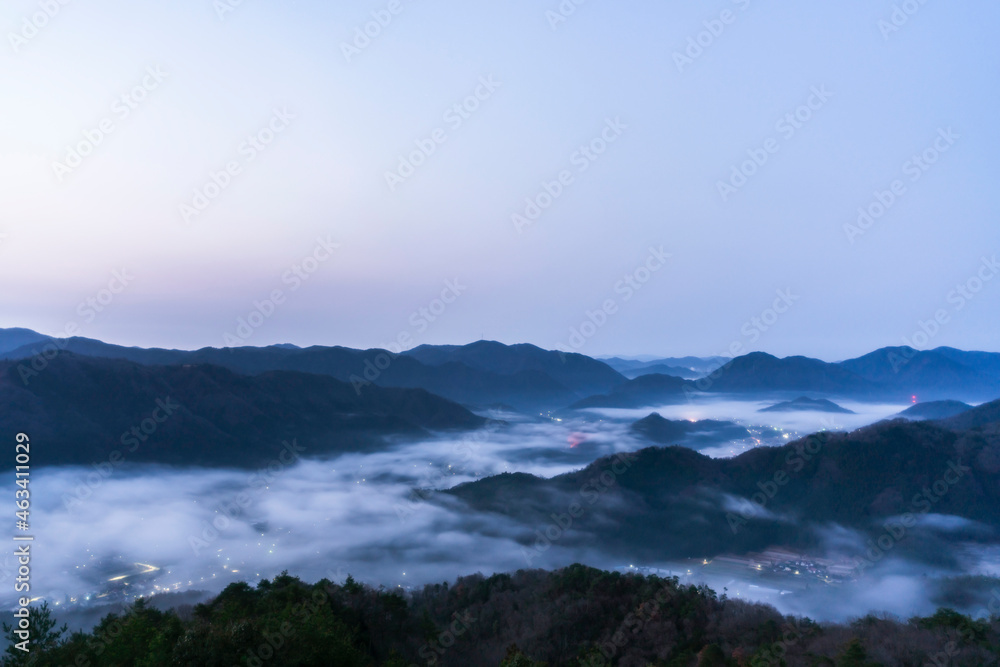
x=43, y=635
x=854, y=655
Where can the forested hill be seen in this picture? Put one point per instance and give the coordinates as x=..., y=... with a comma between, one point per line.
x=672, y=502
x=574, y=617
x=80, y=410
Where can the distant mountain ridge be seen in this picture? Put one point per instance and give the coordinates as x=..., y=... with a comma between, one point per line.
x=890, y=374
x=81, y=409
x=12, y=339
x=643, y=391
x=572, y=370
x=759, y=371
x=943, y=373
x=532, y=379
x=806, y=403
x=481, y=373
x=685, y=367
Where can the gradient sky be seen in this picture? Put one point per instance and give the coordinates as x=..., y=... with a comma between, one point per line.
x=656, y=185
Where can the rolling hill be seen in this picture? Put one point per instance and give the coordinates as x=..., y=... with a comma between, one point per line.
x=532, y=379
x=804, y=403
x=674, y=502
x=643, y=391
x=656, y=428
x=935, y=410
x=759, y=372
x=572, y=370
x=80, y=409
x=939, y=374
x=519, y=377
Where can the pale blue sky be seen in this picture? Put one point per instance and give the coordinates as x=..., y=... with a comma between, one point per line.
x=655, y=185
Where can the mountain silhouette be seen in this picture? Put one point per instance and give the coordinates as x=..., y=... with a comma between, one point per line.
x=78, y=410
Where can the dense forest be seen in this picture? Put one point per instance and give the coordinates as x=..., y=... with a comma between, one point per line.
x=577, y=616
x=671, y=502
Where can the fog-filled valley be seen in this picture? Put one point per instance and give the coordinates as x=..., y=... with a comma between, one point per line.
x=511, y=334
x=826, y=504
x=381, y=518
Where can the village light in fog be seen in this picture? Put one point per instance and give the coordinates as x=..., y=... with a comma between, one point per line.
x=663, y=430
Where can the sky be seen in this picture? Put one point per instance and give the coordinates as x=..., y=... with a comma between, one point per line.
x=610, y=178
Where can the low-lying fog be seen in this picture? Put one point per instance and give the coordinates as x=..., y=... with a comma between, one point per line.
x=747, y=413
x=101, y=532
